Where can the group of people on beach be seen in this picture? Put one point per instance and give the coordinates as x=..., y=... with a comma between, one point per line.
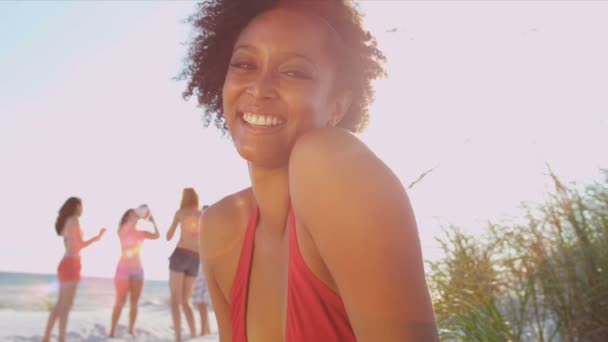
x=185, y=269
x=324, y=245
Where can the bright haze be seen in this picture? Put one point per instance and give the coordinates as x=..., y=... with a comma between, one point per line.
x=484, y=94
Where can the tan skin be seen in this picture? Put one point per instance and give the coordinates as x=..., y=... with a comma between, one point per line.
x=131, y=287
x=180, y=284
x=74, y=243
x=204, y=314
x=202, y=307
x=365, y=247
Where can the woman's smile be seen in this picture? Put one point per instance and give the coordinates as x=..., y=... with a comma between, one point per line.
x=262, y=120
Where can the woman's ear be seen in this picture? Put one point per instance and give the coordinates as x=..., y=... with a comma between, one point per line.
x=341, y=106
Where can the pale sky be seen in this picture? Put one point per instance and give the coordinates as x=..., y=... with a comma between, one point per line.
x=487, y=92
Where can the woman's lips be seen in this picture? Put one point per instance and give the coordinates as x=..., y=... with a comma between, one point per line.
x=261, y=120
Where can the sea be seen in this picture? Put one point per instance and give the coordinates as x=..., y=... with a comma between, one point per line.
x=39, y=292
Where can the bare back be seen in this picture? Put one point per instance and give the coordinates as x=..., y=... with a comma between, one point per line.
x=72, y=236
x=188, y=221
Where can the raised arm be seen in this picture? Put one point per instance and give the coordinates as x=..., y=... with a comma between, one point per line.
x=174, y=224
x=360, y=218
x=156, y=234
x=76, y=235
x=96, y=238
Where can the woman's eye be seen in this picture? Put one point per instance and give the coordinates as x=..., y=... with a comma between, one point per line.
x=242, y=65
x=297, y=74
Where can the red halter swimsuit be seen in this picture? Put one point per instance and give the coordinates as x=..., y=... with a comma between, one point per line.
x=314, y=312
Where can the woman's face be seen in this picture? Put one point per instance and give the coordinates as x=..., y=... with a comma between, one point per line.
x=79, y=210
x=280, y=83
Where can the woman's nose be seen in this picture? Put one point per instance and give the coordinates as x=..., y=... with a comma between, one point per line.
x=263, y=86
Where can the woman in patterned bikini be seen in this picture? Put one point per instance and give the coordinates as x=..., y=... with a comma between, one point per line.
x=129, y=277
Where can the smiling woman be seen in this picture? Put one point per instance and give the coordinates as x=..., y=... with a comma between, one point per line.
x=323, y=246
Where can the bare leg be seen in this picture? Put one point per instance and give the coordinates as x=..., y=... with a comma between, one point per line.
x=202, y=309
x=69, y=292
x=186, y=294
x=135, y=288
x=53, y=317
x=176, y=280
x=121, y=297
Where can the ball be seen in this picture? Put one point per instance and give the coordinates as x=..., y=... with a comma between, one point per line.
x=143, y=211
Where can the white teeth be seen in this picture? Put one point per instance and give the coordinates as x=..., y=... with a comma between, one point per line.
x=261, y=120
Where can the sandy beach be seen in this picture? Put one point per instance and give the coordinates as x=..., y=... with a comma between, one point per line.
x=153, y=324
x=26, y=298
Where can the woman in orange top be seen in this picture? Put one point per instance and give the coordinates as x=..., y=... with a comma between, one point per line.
x=129, y=277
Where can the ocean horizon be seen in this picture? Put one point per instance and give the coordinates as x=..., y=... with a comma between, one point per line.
x=22, y=291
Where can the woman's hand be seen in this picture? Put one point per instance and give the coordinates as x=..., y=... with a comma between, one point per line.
x=101, y=232
x=156, y=233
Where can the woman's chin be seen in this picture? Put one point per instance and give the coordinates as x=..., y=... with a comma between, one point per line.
x=265, y=159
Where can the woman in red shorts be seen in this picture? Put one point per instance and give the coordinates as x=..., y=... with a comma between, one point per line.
x=68, y=272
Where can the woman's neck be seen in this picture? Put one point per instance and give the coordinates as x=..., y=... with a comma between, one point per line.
x=128, y=226
x=271, y=192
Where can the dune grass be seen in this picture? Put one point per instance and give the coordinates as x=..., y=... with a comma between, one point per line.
x=542, y=278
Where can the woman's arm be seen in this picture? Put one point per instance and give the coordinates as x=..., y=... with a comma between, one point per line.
x=220, y=305
x=171, y=230
x=208, y=241
x=78, y=236
x=156, y=234
x=365, y=231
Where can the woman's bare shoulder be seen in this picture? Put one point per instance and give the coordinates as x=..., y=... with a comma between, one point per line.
x=224, y=222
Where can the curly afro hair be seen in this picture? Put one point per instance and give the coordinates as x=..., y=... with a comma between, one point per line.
x=217, y=24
